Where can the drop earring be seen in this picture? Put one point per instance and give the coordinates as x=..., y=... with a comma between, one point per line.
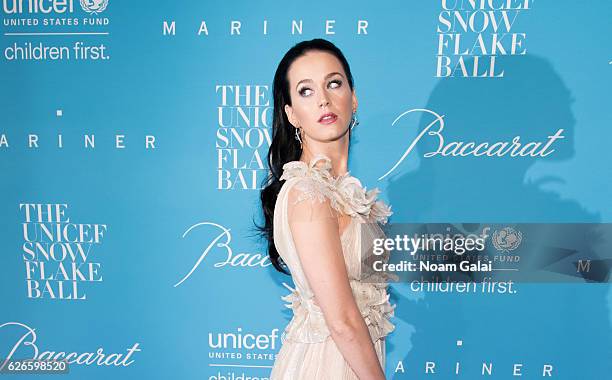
x=354, y=120
x=297, y=136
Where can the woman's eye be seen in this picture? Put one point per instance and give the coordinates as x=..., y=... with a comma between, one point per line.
x=304, y=89
x=338, y=82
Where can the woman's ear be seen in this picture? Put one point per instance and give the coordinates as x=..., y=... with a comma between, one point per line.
x=290, y=116
x=355, y=103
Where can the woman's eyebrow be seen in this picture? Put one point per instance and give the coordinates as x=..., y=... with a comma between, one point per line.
x=310, y=80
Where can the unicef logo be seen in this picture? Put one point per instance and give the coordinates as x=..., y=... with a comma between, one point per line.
x=507, y=239
x=94, y=6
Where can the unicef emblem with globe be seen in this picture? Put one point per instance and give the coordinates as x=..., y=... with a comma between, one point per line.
x=94, y=6
x=507, y=239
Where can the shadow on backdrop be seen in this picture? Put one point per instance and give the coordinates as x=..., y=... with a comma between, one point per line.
x=565, y=325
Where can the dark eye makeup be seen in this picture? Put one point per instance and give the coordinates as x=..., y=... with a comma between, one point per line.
x=303, y=89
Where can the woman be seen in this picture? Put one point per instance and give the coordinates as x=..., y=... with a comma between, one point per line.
x=316, y=216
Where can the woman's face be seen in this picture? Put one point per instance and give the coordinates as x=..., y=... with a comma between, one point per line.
x=318, y=86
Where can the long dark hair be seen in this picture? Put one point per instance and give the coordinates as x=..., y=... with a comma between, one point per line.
x=284, y=147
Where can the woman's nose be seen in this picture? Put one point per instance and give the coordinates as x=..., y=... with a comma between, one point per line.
x=323, y=101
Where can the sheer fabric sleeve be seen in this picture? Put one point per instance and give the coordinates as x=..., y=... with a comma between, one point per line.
x=307, y=202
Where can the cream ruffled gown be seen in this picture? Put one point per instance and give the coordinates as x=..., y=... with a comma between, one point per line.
x=308, y=351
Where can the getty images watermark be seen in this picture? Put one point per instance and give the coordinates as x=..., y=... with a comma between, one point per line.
x=473, y=252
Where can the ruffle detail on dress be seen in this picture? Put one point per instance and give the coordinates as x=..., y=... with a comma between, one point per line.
x=373, y=302
x=346, y=193
x=308, y=324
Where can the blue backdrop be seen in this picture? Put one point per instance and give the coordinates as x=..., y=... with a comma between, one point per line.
x=132, y=142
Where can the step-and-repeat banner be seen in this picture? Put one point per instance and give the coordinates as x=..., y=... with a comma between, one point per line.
x=133, y=137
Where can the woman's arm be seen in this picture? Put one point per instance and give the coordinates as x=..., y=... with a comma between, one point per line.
x=315, y=229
